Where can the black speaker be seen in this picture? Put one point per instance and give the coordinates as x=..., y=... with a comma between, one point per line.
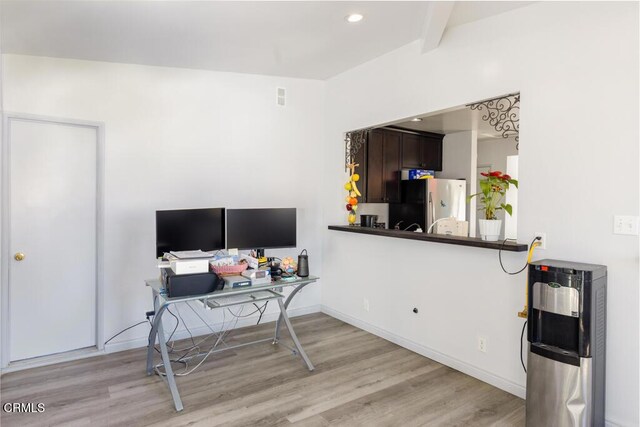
x=303, y=264
x=183, y=285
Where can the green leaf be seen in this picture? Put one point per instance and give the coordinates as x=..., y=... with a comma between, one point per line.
x=507, y=208
x=485, y=186
x=514, y=182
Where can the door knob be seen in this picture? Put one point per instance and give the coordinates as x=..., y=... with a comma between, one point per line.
x=19, y=256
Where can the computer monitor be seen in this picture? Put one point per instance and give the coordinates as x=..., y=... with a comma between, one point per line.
x=189, y=229
x=261, y=228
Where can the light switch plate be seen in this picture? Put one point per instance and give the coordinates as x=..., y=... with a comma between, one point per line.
x=626, y=224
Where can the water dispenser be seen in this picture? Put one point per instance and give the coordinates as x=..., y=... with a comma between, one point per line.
x=567, y=335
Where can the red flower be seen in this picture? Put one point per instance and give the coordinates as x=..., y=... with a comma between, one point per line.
x=505, y=176
x=495, y=173
x=484, y=174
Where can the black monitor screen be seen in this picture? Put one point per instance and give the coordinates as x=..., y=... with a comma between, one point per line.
x=261, y=228
x=189, y=229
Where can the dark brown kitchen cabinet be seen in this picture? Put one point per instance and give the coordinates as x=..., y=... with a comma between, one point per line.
x=422, y=151
x=384, y=158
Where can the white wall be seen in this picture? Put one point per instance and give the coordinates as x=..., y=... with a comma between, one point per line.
x=493, y=152
x=459, y=154
x=576, y=67
x=178, y=138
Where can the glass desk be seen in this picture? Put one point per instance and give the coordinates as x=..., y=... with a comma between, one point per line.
x=215, y=300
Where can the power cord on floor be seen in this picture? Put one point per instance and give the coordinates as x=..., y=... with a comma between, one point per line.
x=126, y=329
x=224, y=332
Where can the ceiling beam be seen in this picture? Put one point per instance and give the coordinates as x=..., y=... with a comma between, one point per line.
x=438, y=13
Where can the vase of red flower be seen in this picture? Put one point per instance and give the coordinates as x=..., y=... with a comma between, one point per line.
x=493, y=188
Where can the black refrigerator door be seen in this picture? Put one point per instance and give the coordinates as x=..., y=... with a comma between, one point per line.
x=414, y=191
x=408, y=213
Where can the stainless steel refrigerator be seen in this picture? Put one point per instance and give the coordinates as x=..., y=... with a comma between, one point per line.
x=424, y=201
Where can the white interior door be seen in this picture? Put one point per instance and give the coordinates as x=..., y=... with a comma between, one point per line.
x=52, y=221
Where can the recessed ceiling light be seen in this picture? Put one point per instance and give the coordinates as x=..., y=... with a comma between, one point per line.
x=354, y=17
x=417, y=119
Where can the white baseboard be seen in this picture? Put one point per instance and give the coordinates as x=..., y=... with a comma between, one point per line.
x=452, y=362
x=142, y=342
x=52, y=359
x=203, y=330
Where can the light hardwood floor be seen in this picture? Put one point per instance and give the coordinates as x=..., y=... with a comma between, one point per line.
x=360, y=380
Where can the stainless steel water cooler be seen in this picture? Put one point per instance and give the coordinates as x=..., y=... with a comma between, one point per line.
x=567, y=334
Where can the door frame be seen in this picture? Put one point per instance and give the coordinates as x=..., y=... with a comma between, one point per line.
x=5, y=228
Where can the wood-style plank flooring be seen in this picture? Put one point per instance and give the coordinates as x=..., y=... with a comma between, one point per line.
x=359, y=380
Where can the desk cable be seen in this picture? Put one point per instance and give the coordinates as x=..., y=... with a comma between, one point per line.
x=125, y=330
x=221, y=334
x=195, y=346
x=138, y=324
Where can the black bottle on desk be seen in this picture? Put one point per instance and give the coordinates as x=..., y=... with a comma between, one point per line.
x=276, y=271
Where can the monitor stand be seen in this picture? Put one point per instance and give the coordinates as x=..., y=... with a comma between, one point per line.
x=259, y=253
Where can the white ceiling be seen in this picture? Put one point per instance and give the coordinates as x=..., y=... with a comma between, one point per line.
x=307, y=39
x=469, y=11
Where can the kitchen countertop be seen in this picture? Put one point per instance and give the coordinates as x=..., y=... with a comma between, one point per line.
x=508, y=246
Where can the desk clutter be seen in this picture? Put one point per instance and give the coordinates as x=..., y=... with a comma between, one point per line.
x=184, y=276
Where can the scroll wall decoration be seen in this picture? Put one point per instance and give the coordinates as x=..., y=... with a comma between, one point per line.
x=503, y=113
x=353, y=142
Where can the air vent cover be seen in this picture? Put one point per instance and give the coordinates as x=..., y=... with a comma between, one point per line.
x=281, y=96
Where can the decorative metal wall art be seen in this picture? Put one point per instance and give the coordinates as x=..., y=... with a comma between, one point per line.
x=503, y=113
x=353, y=141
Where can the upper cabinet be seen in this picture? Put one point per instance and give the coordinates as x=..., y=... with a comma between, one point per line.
x=422, y=151
x=383, y=166
x=388, y=151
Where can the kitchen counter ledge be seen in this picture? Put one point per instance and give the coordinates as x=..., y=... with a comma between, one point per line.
x=509, y=246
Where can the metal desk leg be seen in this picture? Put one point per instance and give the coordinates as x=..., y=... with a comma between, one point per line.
x=152, y=336
x=286, y=305
x=283, y=315
x=167, y=364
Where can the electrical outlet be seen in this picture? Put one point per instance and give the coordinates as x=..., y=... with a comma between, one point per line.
x=625, y=224
x=542, y=241
x=482, y=344
x=365, y=304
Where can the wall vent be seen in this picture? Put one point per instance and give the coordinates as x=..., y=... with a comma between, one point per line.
x=281, y=96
